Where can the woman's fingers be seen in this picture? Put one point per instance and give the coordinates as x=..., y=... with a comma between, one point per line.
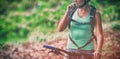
x=72, y=5
x=96, y=55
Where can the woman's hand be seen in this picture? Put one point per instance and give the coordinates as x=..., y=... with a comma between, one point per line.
x=71, y=6
x=65, y=20
x=97, y=55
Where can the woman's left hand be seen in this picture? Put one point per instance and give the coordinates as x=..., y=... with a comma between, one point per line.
x=97, y=55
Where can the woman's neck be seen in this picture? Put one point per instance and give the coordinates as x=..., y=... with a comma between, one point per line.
x=86, y=7
x=82, y=12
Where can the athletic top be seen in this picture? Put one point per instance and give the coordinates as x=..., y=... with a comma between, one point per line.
x=80, y=33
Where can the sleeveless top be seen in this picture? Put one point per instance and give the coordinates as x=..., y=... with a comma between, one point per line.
x=80, y=33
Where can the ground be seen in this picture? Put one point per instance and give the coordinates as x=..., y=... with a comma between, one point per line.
x=33, y=50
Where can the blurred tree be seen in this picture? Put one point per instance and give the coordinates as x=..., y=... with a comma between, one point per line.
x=21, y=17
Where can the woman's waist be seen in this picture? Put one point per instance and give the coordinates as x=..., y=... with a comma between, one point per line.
x=80, y=41
x=80, y=32
x=80, y=36
x=79, y=50
x=90, y=46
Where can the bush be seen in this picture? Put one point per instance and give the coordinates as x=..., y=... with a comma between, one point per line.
x=116, y=26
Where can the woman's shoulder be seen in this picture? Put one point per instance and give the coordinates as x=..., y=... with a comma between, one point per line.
x=97, y=11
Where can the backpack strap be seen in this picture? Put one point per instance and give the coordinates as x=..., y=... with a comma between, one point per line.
x=71, y=12
x=92, y=18
x=92, y=22
x=81, y=46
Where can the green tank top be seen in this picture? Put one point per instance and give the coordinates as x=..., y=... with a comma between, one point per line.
x=80, y=33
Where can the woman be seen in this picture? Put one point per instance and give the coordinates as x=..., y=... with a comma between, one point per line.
x=81, y=34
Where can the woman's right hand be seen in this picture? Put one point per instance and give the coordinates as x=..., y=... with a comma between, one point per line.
x=97, y=55
x=71, y=6
x=65, y=20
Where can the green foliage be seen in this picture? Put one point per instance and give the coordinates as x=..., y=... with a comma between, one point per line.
x=116, y=26
x=108, y=9
x=22, y=17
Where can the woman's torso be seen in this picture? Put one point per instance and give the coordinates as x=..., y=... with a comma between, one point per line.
x=80, y=33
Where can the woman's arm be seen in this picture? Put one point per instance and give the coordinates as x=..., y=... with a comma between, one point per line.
x=63, y=22
x=99, y=31
x=99, y=35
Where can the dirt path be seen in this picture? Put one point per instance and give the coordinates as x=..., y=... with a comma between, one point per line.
x=36, y=51
x=32, y=50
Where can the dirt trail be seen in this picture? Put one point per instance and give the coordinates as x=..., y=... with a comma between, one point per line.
x=30, y=50
x=36, y=51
